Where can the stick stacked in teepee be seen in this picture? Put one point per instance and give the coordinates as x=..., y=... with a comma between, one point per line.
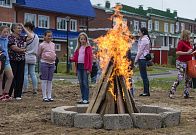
x=112, y=94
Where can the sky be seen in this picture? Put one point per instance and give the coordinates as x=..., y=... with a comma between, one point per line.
x=185, y=8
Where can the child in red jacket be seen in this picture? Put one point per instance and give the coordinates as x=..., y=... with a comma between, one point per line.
x=83, y=59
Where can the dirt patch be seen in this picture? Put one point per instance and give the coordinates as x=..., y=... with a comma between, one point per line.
x=31, y=116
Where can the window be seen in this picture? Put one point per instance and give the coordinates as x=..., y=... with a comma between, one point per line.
x=5, y=3
x=61, y=23
x=30, y=18
x=191, y=28
x=177, y=26
x=124, y=22
x=182, y=26
x=58, y=47
x=73, y=25
x=143, y=24
x=172, y=28
x=156, y=26
x=136, y=25
x=6, y=24
x=82, y=22
x=113, y=21
x=165, y=27
x=43, y=21
x=150, y=25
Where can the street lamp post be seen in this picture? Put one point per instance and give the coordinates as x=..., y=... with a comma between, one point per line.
x=68, y=20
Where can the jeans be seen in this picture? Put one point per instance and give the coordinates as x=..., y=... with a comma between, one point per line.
x=143, y=72
x=93, y=79
x=30, y=70
x=83, y=80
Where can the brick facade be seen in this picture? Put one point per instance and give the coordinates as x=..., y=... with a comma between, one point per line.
x=7, y=14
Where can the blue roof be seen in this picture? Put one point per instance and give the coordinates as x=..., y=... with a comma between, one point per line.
x=72, y=7
x=57, y=34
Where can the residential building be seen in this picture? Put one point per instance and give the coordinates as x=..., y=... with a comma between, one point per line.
x=164, y=27
x=64, y=18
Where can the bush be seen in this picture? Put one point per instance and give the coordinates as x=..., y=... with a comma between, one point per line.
x=62, y=68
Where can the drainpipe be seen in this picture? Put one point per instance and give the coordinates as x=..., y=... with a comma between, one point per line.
x=16, y=15
x=160, y=57
x=87, y=25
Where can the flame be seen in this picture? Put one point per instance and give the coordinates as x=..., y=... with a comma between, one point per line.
x=115, y=44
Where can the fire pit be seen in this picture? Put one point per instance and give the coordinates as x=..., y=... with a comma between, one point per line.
x=112, y=105
x=150, y=117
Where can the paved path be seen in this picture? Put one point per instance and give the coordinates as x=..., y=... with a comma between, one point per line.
x=171, y=73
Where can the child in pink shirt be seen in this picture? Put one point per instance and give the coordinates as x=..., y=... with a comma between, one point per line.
x=83, y=59
x=47, y=56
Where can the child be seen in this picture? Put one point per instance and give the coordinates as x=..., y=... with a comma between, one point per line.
x=4, y=31
x=131, y=66
x=30, y=57
x=94, y=70
x=83, y=59
x=47, y=55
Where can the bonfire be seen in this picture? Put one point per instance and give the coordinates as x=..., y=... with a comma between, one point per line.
x=112, y=94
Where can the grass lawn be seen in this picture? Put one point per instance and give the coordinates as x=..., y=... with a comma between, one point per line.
x=160, y=84
x=154, y=70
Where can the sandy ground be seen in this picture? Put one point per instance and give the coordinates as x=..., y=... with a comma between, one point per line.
x=31, y=116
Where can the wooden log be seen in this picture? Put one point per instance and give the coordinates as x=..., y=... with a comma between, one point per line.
x=102, y=107
x=97, y=90
x=131, y=107
x=120, y=103
x=102, y=93
x=126, y=94
x=110, y=103
x=135, y=109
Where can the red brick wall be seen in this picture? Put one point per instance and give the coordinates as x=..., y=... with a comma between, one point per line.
x=7, y=14
x=102, y=20
x=53, y=16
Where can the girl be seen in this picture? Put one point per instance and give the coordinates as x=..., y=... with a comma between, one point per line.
x=184, y=51
x=30, y=57
x=47, y=55
x=143, y=49
x=83, y=59
x=4, y=31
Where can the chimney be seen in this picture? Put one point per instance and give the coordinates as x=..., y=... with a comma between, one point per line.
x=118, y=3
x=141, y=7
x=99, y=5
x=168, y=10
x=107, y=4
x=175, y=13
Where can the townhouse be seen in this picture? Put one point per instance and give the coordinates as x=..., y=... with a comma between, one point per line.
x=164, y=27
x=64, y=18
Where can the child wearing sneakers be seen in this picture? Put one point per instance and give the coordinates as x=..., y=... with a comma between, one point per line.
x=83, y=59
x=47, y=55
x=5, y=64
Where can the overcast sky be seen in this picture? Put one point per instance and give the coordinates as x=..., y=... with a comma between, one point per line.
x=185, y=8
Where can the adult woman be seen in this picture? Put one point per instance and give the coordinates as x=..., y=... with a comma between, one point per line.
x=16, y=46
x=184, y=51
x=143, y=49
